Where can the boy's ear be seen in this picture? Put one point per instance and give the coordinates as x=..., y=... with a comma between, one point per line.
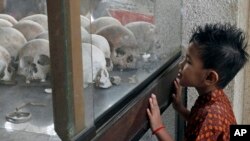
x=212, y=77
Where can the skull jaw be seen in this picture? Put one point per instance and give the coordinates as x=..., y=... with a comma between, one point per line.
x=42, y=73
x=102, y=79
x=124, y=62
x=30, y=74
x=7, y=77
x=8, y=80
x=6, y=70
x=104, y=84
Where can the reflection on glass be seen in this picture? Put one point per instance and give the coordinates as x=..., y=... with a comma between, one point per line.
x=48, y=130
x=25, y=67
x=126, y=49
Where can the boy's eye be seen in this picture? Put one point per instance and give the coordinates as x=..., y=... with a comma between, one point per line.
x=183, y=57
x=187, y=60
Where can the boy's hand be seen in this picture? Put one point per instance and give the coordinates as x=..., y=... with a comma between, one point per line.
x=154, y=113
x=177, y=104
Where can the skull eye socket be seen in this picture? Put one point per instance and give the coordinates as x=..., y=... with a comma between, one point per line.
x=43, y=60
x=120, y=52
x=2, y=68
x=108, y=61
x=10, y=69
x=2, y=74
x=130, y=59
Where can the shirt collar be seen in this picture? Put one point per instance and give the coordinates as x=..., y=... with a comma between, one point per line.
x=210, y=97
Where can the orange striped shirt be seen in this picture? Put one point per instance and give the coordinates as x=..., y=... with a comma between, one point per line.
x=210, y=118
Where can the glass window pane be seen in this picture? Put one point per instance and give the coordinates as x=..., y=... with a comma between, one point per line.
x=25, y=98
x=131, y=42
x=87, y=61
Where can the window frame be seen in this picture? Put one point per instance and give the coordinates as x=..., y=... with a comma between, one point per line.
x=66, y=67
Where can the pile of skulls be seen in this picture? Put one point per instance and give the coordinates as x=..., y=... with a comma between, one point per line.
x=24, y=48
x=126, y=42
x=106, y=44
x=122, y=45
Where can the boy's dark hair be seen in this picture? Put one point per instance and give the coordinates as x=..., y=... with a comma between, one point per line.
x=222, y=48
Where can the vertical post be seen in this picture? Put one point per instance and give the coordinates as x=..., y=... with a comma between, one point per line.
x=76, y=54
x=241, y=90
x=1, y=6
x=246, y=101
x=66, y=66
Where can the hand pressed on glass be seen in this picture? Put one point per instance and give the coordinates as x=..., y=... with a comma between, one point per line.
x=177, y=95
x=156, y=123
x=154, y=113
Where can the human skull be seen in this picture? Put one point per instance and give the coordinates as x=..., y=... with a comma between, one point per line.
x=29, y=29
x=102, y=43
x=5, y=23
x=122, y=45
x=145, y=35
x=43, y=35
x=102, y=79
x=84, y=21
x=100, y=23
x=6, y=71
x=85, y=36
x=38, y=18
x=34, y=60
x=94, y=66
x=8, y=18
x=12, y=40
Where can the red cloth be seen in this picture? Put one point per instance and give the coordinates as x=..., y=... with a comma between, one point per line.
x=210, y=118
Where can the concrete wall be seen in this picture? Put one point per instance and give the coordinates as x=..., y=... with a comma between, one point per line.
x=241, y=87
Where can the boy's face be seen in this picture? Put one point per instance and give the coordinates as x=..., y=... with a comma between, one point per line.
x=191, y=72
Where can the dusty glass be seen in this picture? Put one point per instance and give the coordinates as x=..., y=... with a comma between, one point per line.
x=131, y=41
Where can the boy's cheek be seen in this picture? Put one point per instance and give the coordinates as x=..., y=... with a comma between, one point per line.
x=184, y=83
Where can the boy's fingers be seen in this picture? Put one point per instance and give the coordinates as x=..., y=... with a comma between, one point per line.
x=154, y=100
x=174, y=96
x=176, y=86
x=177, y=80
x=151, y=103
x=149, y=113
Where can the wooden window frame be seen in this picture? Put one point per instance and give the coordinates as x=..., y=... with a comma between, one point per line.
x=66, y=66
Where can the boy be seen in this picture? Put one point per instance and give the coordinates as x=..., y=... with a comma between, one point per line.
x=214, y=56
